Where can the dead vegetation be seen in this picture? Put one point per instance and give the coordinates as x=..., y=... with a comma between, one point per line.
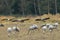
x=27, y=21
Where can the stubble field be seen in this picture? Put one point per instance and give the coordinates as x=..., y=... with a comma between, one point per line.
x=34, y=34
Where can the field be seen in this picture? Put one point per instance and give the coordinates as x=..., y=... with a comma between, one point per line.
x=33, y=35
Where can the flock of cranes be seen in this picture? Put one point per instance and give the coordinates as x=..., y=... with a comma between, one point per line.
x=44, y=27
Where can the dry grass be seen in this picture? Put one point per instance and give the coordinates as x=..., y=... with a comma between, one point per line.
x=34, y=35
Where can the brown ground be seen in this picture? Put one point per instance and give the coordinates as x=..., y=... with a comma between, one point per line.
x=34, y=35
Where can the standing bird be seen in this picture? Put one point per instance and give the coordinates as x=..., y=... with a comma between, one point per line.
x=16, y=29
x=44, y=28
x=9, y=30
x=33, y=27
x=50, y=28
